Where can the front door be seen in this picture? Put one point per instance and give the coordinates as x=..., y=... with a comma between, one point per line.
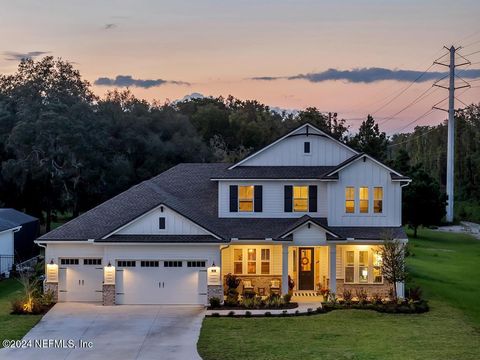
x=306, y=269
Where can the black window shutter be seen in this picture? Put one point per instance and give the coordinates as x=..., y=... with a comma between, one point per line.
x=233, y=198
x=288, y=198
x=312, y=198
x=258, y=198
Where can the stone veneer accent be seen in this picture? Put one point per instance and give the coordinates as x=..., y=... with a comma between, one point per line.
x=259, y=281
x=215, y=291
x=381, y=289
x=53, y=287
x=108, y=295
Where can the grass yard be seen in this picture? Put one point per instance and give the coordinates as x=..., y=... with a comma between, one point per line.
x=13, y=326
x=446, y=266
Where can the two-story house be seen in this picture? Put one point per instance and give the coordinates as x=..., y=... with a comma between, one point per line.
x=306, y=211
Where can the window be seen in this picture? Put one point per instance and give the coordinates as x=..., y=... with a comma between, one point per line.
x=377, y=200
x=252, y=261
x=149, y=263
x=350, y=267
x=306, y=147
x=172, y=263
x=363, y=267
x=265, y=265
x=195, y=263
x=300, y=198
x=377, y=268
x=245, y=198
x=363, y=197
x=161, y=223
x=126, y=263
x=349, y=199
x=237, y=261
x=68, y=261
x=92, y=261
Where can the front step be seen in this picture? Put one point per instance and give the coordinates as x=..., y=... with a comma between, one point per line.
x=305, y=293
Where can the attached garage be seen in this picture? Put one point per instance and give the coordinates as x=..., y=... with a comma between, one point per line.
x=80, y=279
x=180, y=282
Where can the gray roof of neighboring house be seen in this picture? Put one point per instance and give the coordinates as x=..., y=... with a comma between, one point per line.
x=187, y=189
x=13, y=218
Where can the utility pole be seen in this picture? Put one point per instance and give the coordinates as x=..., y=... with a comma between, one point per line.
x=451, y=127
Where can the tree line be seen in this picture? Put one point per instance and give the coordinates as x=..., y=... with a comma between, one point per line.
x=64, y=150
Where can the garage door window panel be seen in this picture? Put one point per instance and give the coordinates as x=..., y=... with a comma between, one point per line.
x=69, y=261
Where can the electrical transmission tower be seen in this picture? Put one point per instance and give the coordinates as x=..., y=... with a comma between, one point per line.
x=451, y=123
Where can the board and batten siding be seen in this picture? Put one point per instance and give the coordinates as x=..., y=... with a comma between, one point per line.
x=290, y=152
x=365, y=174
x=273, y=199
x=175, y=224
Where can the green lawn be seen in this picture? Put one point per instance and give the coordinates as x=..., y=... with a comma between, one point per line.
x=446, y=266
x=13, y=326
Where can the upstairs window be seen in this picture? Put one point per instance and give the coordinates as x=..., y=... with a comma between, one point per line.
x=245, y=198
x=300, y=198
x=349, y=199
x=306, y=147
x=378, y=200
x=363, y=199
x=161, y=223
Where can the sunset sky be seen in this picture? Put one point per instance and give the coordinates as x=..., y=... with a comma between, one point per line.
x=169, y=49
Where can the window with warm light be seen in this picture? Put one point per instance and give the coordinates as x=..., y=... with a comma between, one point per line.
x=363, y=267
x=265, y=265
x=378, y=200
x=300, y=198
x=349, y=199
x=245, y=198
x=350, y=267
x=237, y=261
x=363, y=199
x=377, y=268
x=252, y=261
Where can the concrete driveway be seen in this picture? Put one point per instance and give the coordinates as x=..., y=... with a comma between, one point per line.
x=115, y=332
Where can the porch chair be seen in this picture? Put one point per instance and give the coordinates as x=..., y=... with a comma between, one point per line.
x=275, y=287
x=247, y=286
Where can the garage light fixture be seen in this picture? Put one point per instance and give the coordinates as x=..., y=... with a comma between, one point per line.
x=52, y=272
x=109, y=274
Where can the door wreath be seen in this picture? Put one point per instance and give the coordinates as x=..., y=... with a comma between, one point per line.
x=305, y=261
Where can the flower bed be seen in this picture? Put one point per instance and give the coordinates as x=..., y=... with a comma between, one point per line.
x=262, y=306
x=398, y=307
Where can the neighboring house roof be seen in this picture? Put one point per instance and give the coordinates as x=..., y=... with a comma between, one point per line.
x=9, y=216
x=7, y=225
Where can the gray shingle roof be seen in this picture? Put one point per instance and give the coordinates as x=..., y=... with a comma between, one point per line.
x=187, y=189
x=274, y=172
x=162, y=239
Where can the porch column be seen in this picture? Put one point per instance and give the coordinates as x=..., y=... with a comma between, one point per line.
x=333, y=268
x=284, y=269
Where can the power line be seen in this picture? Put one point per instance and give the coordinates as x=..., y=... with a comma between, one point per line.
x=475, y=52
x=412, y=138
x=414, y=121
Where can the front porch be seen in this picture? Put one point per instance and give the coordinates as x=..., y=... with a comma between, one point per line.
x=306, y=272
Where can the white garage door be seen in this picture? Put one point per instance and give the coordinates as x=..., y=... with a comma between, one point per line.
x=178, y=282
x=80, y=279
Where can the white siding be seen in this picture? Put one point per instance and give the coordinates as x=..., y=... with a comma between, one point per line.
x=289, y=152
x=304, y=236
x=209, y=253
x=175, y=224
x=273, y=199
x=6, y=243
x=368, y=174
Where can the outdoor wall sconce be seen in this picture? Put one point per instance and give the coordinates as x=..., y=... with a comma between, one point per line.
x=109, y=274
x=52, y=272
x=213, y=275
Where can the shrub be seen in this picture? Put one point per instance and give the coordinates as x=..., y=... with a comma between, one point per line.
x=325, y=292
x=287, y=298
x=320, y=310
x=248, y=314
x=291, y=283
x=215, y=314
x=268, y=313
x=274, y=301
x=249, y=294
x=415, y=294
x=231, y=313
x=215, y=302
x=232, y=282
x=284, y=313
x=362, y=295
x=309, y=311
x=347, y=296
x=332, y=298
x=376, y=298
x=232, y=299
x=297, y=312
